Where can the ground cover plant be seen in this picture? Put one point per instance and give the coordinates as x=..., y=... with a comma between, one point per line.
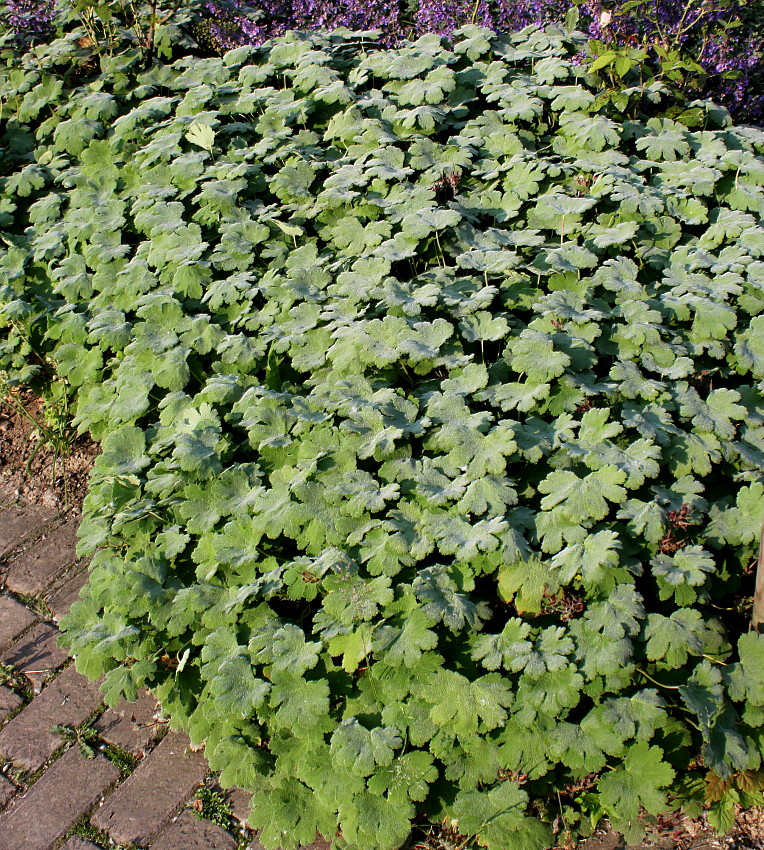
x=430, y=403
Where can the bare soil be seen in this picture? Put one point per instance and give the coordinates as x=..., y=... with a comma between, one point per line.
x=678, y=832
x=35, y=469
x=669, y=832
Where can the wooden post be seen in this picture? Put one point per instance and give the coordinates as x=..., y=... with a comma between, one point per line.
x=757, y=614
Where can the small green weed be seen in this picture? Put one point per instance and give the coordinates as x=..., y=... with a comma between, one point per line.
x=122, y=758
x=37, y=604
x=84, y=736
x=86, y=830
x=12, y=678
x=7, y=674
x=212, y=806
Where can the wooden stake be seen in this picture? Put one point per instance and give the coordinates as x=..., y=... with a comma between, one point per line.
x=757, y=614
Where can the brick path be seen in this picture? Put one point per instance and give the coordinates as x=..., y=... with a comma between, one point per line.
x=52, y=797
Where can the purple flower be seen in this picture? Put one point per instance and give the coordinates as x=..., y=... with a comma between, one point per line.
x=740, y=94
x=31, y=20
x=445, y=16
x=353, y=14
x=231, y=29
x=693, y=26
x=513, y=15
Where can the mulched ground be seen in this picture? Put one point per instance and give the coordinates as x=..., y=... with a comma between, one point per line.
x=672, y=832
x=40, y=472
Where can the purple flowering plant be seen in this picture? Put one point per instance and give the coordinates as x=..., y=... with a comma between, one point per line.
x=698, y=48
x=31, y=20
x=142, y=27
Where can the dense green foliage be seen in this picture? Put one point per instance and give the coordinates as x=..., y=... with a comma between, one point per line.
x=430, y=399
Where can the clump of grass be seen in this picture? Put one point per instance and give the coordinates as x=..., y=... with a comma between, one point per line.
x=7, y=674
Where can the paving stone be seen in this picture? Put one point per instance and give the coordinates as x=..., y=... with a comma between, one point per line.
x=71, y=786
x=7, y=791
x=190, y=833
x=61, y=599
x=239, y=801
x=36, y=655
x=68, y=700
x=14, y=618
x=9, y=701
x=139, y=809
x=77, y=842
x=130, y=725
x=33, y=570
x=18, y=524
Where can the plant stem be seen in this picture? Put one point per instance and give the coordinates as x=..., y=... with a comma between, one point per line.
x=656, y=682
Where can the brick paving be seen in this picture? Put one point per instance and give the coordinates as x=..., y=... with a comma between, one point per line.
x=68, y=700
x=146, y=801
x=54, y=787
x=7, y=791
x=130, y=725
x=238, y=802
x=69, y=788
x=20, y=524
x=61, y=597
x=77, y=843
x=36, y=655
x=9, y=702
x=190, y=833
x=14, y=619
x=35, y=568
